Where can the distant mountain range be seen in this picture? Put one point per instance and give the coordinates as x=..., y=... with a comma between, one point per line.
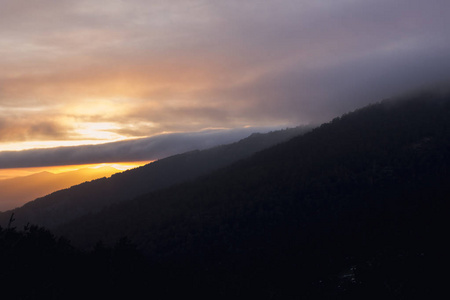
x=15, y=192
x=90, y=197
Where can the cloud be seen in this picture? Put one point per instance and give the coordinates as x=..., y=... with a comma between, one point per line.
x=22, y=131
x=152, y=148
x=21, y=124
x=147, y=67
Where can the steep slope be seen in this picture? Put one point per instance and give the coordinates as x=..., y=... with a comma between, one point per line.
x=15, y=192
x=353, y=209
x=90, y=197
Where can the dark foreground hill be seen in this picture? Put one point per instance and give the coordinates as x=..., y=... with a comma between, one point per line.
x=355, y=209
x=90, y=197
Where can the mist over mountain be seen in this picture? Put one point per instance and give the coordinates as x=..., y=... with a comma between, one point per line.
x=141, y=149
x=65, y=205
x=353, y=209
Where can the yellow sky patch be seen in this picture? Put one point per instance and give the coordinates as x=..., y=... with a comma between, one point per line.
x=19, y=172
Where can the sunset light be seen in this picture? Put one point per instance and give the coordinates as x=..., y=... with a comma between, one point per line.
x=19, y=172
x=224, y=149
x=103, y=131
x=82, y=75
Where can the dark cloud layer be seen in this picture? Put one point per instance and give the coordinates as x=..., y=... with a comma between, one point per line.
x=152, y=148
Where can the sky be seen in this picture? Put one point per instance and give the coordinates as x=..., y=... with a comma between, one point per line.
x=74, y=73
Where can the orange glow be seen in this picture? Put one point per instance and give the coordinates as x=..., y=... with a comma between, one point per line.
x=19, y=172
x=20, y=186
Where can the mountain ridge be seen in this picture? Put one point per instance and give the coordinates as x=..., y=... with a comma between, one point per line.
x=364, y=195
x=65, y=205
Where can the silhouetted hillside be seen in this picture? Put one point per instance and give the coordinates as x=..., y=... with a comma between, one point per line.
x=91, y=197
x=37, y=265
x=355, y=209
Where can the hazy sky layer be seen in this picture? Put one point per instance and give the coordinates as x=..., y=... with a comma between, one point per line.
x=79, y=72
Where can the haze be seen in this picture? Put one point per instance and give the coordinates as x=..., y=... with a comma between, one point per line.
x=14, y=192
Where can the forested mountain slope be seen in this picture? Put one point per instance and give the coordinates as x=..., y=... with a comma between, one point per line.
x=354, y=209
x=90, y=197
